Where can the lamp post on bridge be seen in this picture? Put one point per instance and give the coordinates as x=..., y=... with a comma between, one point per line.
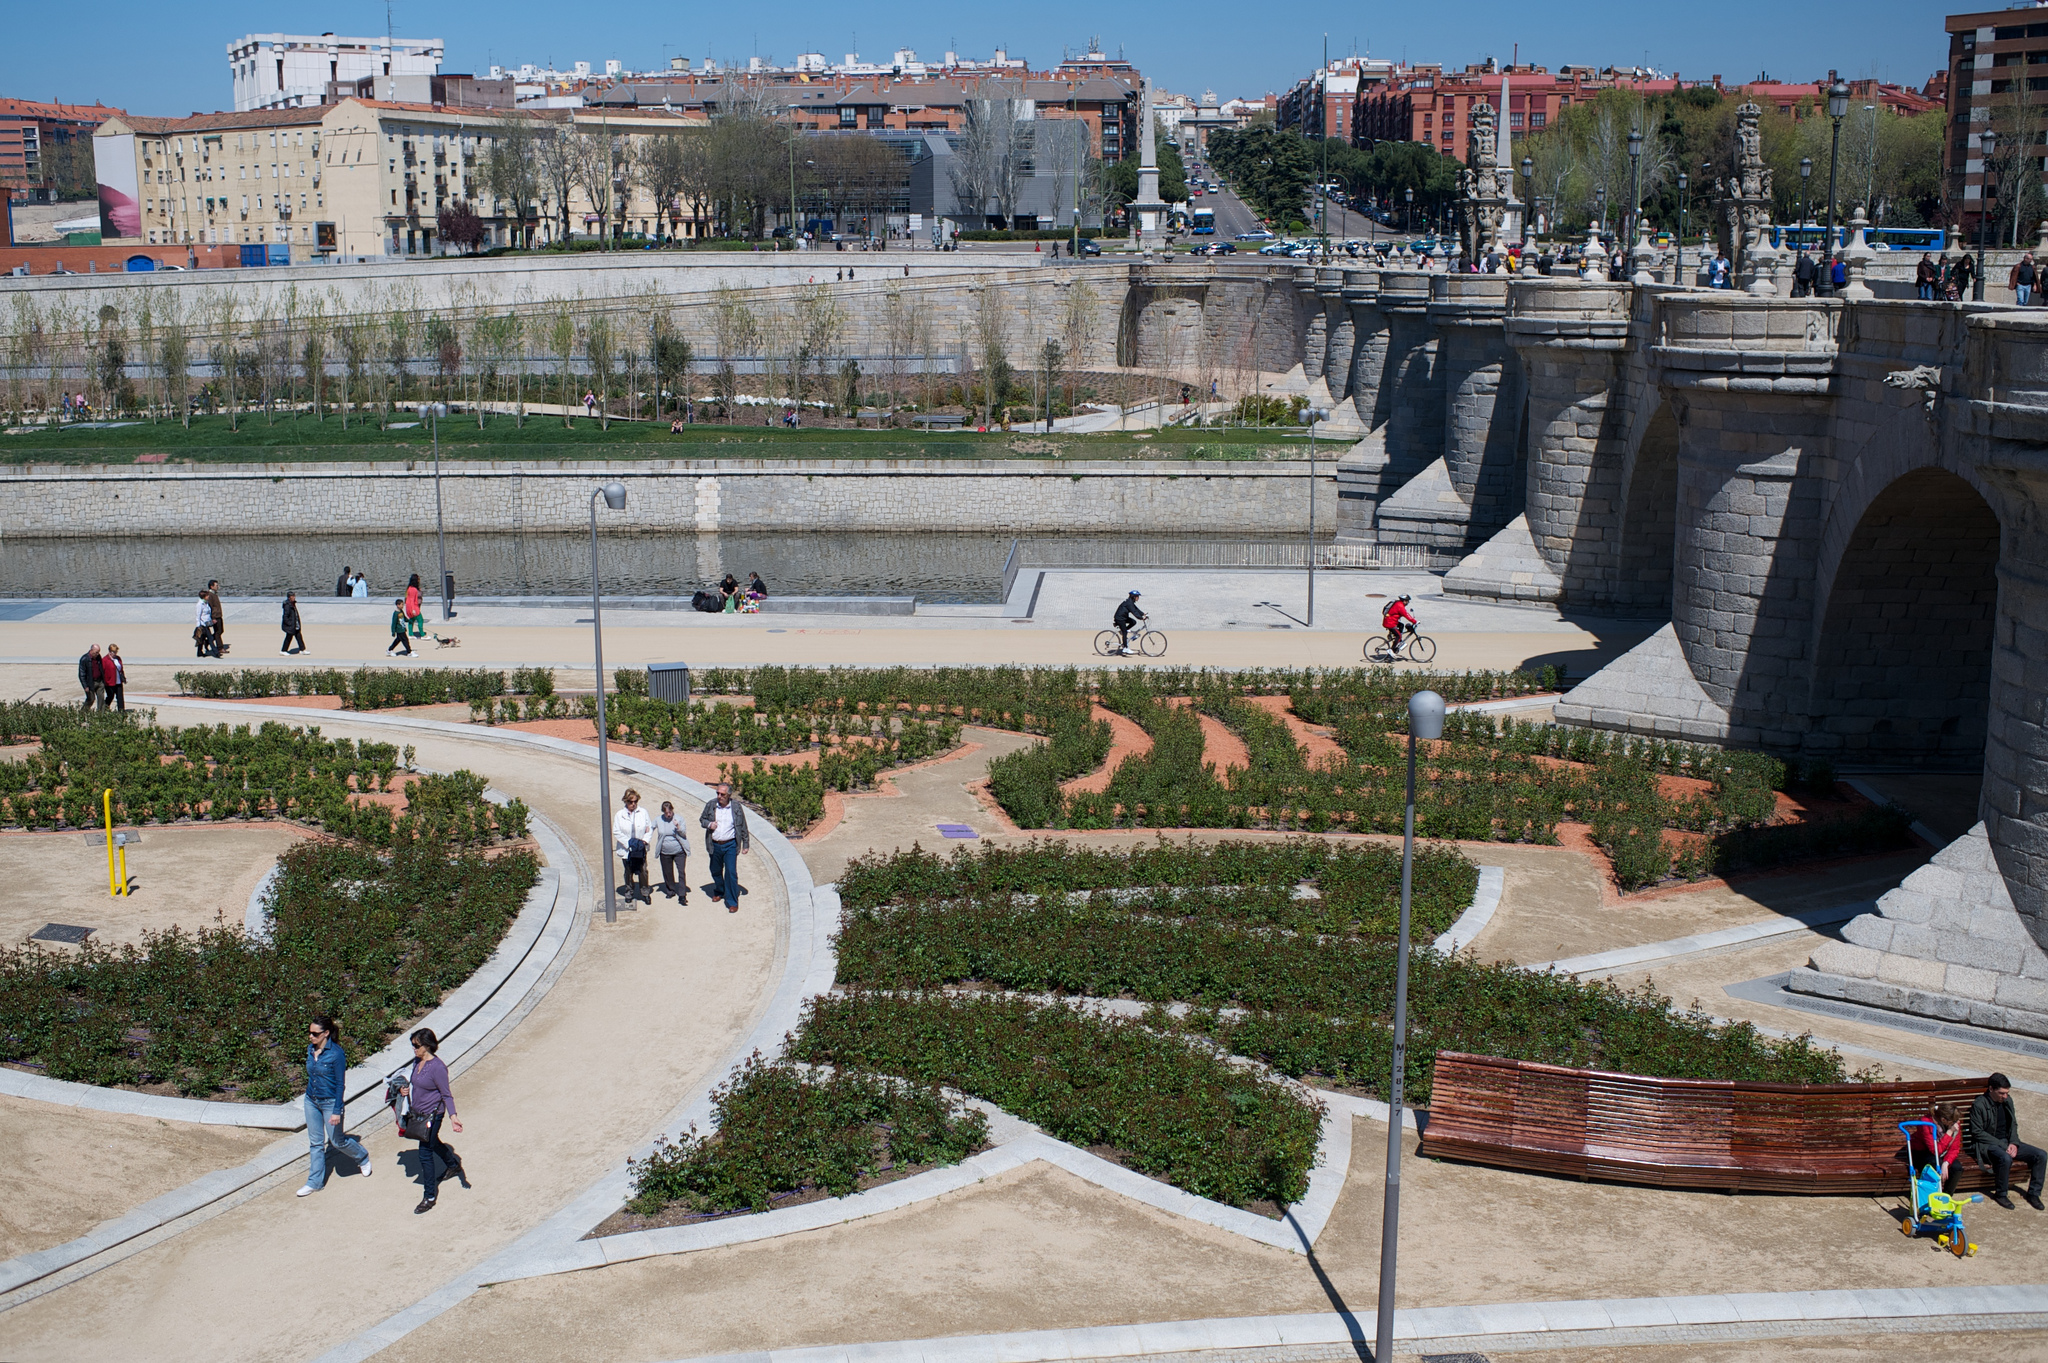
x=1838, y=106
x=1988, y=140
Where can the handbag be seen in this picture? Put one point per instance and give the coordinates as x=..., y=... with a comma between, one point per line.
x=417, y=1126
x=636, y=849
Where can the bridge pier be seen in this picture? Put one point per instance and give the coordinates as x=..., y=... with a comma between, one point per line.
x=1406, y=396
x=1461, y=500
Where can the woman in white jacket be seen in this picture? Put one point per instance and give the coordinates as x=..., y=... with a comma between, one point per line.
x=632, y=839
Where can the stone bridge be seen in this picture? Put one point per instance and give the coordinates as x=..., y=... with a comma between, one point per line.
x=1840, y=506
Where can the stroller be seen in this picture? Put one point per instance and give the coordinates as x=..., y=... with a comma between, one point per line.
x=1933, y=1212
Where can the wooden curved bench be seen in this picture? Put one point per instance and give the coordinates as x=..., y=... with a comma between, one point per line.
x=1686, y=1133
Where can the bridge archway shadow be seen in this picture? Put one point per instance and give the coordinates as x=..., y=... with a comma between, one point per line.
x=1902, y=666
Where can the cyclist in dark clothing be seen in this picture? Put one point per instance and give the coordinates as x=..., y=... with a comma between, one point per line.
x=1127, y=615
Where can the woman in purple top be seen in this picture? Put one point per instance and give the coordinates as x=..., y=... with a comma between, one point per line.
x=430, y=1096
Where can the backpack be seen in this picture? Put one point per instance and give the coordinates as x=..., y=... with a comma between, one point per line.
x=710, y=602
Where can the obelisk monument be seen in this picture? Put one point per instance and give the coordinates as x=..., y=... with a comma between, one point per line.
x=1148, y=211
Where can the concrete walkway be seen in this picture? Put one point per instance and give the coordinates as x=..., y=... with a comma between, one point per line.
x=647, y=1012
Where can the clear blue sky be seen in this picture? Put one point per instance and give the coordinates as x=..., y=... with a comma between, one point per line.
x=155, y=61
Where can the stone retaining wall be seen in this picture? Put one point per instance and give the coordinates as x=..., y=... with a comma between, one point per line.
x=1040, y=496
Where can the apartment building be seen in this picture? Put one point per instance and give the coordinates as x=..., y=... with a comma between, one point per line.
x=357, y=178
x=294, y=70
x=1325, y=103
x=1997, y=78
x=34, y=140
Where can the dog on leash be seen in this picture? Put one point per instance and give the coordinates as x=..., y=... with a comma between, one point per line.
x=450, y=642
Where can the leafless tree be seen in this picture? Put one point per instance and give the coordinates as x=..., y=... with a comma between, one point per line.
x=989, y=158
x=555, y=165
x=512, y=172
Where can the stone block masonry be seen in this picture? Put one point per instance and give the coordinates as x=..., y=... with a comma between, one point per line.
x=1035, y=496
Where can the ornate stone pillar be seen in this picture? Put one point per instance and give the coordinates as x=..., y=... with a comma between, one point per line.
x=1566, y=546
x=1478, y=487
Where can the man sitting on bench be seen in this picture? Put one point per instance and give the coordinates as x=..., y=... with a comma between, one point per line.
x=1995, y=1141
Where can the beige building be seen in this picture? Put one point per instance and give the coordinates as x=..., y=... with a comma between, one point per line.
x=357, y=178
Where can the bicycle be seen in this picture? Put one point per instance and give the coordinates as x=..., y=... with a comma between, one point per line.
x=1389, y=648
x=1145, y=640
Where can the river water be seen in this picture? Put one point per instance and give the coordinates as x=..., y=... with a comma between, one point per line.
x=931, y=567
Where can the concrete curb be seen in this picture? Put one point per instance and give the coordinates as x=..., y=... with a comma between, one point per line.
x=1485, y=903
x=468, y=1040
x=1623, y=957
x=1420, y=1325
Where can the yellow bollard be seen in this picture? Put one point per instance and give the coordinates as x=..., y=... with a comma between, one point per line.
x=124, y=870
x=109, y=797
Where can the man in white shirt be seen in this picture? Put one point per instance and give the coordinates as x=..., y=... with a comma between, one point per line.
x=724, y=821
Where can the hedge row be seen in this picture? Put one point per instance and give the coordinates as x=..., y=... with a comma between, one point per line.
x=781, y=1131
x=378, y=938
x=366, y=688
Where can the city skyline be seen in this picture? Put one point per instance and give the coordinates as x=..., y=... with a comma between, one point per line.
x=180, y=72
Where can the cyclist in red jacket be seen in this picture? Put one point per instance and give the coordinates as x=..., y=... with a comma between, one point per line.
x=1399, y=622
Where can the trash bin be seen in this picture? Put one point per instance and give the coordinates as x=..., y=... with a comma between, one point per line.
x=669, y=682
x=448, y=593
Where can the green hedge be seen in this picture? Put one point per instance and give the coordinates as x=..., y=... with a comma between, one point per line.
x=781, y=1131
x=1180, y=1113
x=366, y=688
x=377, y=938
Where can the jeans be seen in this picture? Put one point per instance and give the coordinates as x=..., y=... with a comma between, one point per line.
x=2025, y=293
x=2000, y=1164
x=725, y=871
x=675, y=873
x=433, y=1145
x=1927, y=292
x=93, y=698
x=320, y=1135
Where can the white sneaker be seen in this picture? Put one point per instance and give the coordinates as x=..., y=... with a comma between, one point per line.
x=308, y=1190
x=369, y=1167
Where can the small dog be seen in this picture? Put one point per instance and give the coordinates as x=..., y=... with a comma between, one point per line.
x=450, y=642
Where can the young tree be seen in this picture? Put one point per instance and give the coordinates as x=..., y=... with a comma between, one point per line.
x=737, y=331
x=512, y=173
x=458, y=223
x=313, y=354
x=671, y=356
x=554, y=161
x=562, y=341
x=398, y=336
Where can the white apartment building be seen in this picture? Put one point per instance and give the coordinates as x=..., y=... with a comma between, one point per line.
x=293, y=70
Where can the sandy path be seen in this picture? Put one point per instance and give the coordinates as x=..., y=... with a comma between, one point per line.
x=1126, y=740
x=647, y=1009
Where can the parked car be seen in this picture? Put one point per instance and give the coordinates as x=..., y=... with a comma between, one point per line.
x=1278, y=248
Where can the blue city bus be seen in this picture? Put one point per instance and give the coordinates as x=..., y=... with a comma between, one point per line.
x=1202, y=221
x=1810, y=236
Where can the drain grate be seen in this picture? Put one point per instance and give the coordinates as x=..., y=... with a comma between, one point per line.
x=1454, y=1358
x=60, y=932
x=956, y=830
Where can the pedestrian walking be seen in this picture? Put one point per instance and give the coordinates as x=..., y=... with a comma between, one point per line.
x=632, y=839
x=359, y=589
x=1838, y=276
x=91, y=676
x=2021, y=280
x=672, y=845
x=202, y=628
x=724, y=821
x=344, y=585
x=415, y=619
x=589, y=403
x=219, y=617
x=326, y=1092
x=398, y=639
x=114, y=685
x=1926, y=277
x=429, y=1099
x=291, y=626
x=1803, y=275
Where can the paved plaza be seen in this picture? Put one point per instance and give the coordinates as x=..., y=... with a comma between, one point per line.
x=623, y=1032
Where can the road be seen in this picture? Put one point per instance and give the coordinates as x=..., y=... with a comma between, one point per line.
x=1233, y=216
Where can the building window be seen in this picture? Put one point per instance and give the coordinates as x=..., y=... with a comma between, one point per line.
x=1538, y=120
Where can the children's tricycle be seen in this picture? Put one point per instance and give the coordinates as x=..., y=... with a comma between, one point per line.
x=1933, y=1212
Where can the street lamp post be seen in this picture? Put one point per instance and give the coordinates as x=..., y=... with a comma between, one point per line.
x=1600, y=208
x=614, y=495
x=1870, y=167
x=1635, y=186
x=1408, y=213
x=1425, y=722
x=1988, y=140
x=1678, y=270
x=1838, y=105
x=434, y=411
x=1805, y=180
x=1528, y=196
x=1315, y=414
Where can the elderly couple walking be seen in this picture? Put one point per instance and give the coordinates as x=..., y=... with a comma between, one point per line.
x=635, y=835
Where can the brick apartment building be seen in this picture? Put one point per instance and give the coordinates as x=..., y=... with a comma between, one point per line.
x=31, y=134
x=1997, y=62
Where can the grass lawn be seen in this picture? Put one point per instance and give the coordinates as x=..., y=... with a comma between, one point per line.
x=303, y=439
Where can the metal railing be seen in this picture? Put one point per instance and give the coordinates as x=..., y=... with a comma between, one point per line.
x=1087, y=552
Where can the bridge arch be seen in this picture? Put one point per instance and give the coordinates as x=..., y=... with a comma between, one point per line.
x=1902, y=655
